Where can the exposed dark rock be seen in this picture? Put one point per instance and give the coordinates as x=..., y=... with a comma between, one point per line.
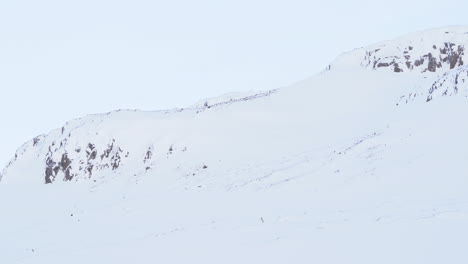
x=408, y=64
x=108, y=150
x=115, y=160
x=36, y=141
x=171, y=149
x=148, y=155
x=449, y=84
x=448, y=54
x=91, y=152
x=418, y=62
x=432, y=63
x=49, y=172
x=397, y=68
x=89, y=169
x=65, y=166
x=383, y=64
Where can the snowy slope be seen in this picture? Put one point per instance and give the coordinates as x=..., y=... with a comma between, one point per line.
x=359, y=164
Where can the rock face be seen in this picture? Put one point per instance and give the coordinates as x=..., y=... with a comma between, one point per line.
x=450, y=55
x=61, y=164
x=451, y=83
x=435, y=57
x=64, y=161
x=429, y=51
x=99, y=145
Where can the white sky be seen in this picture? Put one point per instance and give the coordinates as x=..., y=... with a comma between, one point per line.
x=60, y=60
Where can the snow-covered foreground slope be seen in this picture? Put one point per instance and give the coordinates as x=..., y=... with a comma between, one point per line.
x=354, y=165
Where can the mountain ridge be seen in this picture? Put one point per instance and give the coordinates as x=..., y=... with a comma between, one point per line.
x=424, y=51
x=111, y=155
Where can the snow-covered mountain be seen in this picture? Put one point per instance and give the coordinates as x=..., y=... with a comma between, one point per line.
x=362, y=163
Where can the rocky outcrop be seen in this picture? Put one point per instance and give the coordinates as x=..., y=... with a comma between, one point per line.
x=450, y=55
x=450, y=84
x=433, y=51
x=60, y=165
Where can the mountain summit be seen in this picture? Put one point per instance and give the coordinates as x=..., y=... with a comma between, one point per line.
x=429, y=51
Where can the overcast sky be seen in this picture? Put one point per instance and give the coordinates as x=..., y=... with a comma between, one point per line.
x=60, y=60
